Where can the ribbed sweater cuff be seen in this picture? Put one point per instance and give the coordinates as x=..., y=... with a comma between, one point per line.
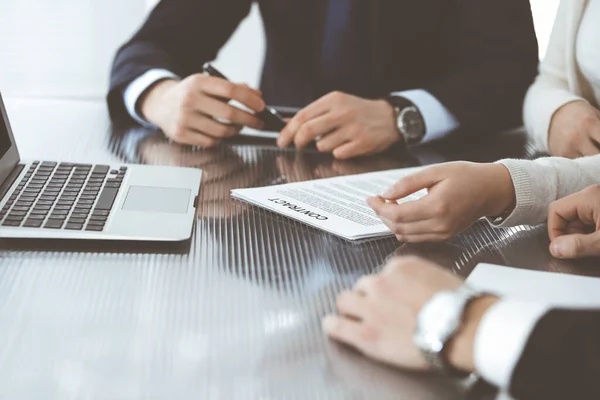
x=523, y=191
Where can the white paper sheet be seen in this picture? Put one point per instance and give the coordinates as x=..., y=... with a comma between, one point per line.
x=336, y=205
x=548, y=287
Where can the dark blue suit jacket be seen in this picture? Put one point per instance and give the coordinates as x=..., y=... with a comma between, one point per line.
x=477, y=57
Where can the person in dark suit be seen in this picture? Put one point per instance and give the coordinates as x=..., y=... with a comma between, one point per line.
x=417, y=315
x=367, y=73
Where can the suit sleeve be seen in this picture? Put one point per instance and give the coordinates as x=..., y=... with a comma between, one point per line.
x=178, y=36
x=498, y=59
x=561, y=359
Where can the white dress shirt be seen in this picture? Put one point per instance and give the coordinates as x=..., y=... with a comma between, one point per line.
x=136, y=89
x=439, y=122
x=501, y=339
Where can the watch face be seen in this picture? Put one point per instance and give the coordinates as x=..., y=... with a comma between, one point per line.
x=412, y=124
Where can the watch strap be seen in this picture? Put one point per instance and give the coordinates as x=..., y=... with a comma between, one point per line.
x=399, y=102
x=401, y=105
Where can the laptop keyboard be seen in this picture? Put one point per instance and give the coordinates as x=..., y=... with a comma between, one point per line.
x=63, y=196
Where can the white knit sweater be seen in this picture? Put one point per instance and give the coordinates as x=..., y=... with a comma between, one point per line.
x=560, y=80
x=539, y=183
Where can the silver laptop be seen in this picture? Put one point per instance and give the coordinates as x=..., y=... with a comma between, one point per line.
x=60, y=200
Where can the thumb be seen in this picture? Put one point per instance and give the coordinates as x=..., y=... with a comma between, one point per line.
x=412, y=184
x=576, y=246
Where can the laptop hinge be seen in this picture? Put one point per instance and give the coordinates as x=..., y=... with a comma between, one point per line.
x=10, y=179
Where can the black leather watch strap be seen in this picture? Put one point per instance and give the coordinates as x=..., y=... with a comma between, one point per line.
x=409, y=120
x=399, y=102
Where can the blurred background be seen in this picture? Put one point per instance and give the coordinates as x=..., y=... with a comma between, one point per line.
x=63, y=48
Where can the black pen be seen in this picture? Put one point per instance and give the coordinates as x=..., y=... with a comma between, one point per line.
x=273, y=120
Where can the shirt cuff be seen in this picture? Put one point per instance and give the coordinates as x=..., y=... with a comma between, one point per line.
x=136, y=89
x=501, y=338
x=439, y=122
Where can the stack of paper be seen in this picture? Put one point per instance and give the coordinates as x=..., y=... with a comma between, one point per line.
x=336, y=205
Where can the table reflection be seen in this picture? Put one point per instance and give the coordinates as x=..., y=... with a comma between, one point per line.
x=235, y=315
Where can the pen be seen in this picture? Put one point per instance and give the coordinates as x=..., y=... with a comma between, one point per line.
x=212, y=71
x=273, y=120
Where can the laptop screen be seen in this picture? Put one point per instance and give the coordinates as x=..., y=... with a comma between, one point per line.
x=4, y=137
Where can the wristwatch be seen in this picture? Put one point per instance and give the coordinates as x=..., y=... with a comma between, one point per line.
x=409, y=120
x=438, y=322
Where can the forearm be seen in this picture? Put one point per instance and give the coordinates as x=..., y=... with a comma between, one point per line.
x=530, y=350
x=561, y=359
x=132, y=62
x=545, y=97
x=539, y=183
x=178, y=36
x=551, y=88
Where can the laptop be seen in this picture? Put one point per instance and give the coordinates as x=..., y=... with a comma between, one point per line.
x=62, y=200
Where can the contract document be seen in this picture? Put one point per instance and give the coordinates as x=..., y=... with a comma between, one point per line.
x=336, y=205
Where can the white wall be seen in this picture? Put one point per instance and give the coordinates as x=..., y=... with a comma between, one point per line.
x=63, y=48
x=544, y=12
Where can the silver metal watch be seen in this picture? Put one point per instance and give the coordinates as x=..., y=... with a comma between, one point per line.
x=438, y=322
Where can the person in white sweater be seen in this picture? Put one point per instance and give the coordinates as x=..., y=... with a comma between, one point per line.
x=508, y=193
x=419, y=316
x=561, y=107
x=560, y=112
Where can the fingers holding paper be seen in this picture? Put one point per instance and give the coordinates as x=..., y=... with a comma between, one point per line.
x=458, y=195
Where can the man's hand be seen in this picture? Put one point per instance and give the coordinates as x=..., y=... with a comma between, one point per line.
x=343, y=124
x=574, y=225
x=186, y=110
x=379, y=316
x=575, y=131
x=459, y=194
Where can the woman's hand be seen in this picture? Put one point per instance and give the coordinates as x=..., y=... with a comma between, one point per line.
x=379, y=316
x=459, y=194
x=574, y=225
x=575, y=131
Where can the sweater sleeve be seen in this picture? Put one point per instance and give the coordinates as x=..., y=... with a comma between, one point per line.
x=550, y=91
x=539, y=183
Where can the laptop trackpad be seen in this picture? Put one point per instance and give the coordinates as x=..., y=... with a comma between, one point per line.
x=157, y=200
